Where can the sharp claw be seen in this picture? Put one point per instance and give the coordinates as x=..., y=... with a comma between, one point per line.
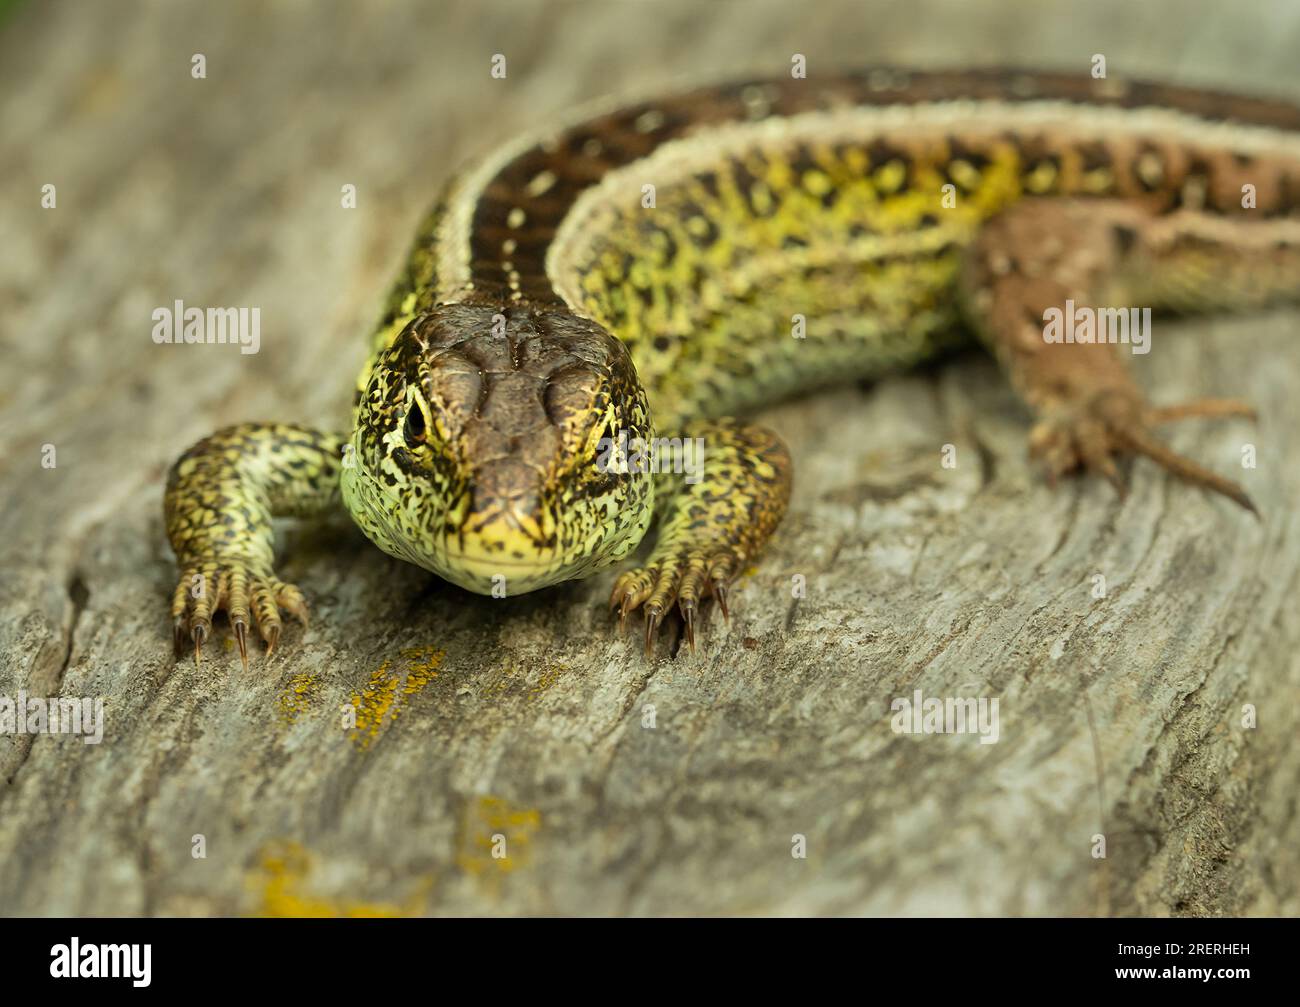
x=1238, y=495
x=688, y=614
x=198, y=634
x=241, y=637
x=652, y=620
x=720, y=593
x=178, y=636
x=272, y=638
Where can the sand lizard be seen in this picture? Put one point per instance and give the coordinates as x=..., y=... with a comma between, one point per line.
x=641, y=273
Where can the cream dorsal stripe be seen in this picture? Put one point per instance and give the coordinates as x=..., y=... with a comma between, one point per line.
x=677, y=159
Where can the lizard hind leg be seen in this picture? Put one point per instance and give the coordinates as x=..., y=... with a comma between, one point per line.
x=715, y=512
x=1053, y=253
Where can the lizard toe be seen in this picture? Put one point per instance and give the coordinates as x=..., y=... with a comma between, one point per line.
x=247, y=597
x=1093, y=433
x=682, y=580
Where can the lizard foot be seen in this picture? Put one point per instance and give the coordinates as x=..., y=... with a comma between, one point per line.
x=221, y=585
x=680, y=578
x=710, y=525
x=1089, y=434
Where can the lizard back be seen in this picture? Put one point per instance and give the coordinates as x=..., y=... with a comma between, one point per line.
x=707, y=228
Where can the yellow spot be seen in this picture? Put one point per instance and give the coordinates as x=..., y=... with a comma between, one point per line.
x=648, y=122
x=856, y=162
x=496, y=838
x=890, y=176
x=964, y=174
x=641, y=275
x=516, y=218
x=817, y=182
x=541, y=184
x=1041, y=178
x=387, y=692
x=280, y=882
x=296, y=698
x=1150, y=170
x=1097, y=180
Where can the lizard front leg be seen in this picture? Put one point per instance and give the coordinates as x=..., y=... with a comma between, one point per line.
x=1041, y=254
x=715, y=511
x=221, y=496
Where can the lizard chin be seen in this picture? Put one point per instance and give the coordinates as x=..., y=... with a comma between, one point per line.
x=498, y=558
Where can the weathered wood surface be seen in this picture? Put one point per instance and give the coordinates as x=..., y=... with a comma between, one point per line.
x=523, y=717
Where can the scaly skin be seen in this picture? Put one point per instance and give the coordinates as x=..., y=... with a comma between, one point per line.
x=221, y=495
x=658, y=267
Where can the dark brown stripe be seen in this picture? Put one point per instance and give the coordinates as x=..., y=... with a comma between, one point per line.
x=707, y=107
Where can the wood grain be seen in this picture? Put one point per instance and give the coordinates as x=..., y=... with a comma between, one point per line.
x=524, y=718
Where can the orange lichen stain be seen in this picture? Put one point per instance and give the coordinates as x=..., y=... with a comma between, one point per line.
x=296, y=698
x=281, y=878
x=495, y=838
x=387, y=691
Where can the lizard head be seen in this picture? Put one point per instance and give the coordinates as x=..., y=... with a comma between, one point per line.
x=482, y=448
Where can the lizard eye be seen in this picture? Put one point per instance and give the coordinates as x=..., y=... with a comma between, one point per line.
x=414, y=429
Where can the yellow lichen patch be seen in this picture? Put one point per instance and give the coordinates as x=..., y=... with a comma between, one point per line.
x=388, y=690
x=495, y=838
x=296, y=698
x=281, y=881
x=422, y=663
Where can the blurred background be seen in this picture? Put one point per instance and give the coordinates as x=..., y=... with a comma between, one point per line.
x=226, y=190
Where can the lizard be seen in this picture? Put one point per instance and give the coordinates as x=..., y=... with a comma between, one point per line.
x=637, y=274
